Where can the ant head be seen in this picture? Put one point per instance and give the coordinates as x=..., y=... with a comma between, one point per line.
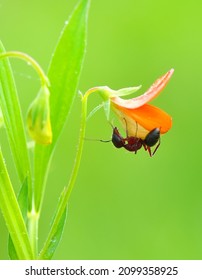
x=117, y=139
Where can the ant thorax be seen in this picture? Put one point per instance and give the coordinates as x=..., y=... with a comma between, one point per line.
x=133, y=144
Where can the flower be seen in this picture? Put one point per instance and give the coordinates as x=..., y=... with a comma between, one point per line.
x=137, y=117
x=38, y=118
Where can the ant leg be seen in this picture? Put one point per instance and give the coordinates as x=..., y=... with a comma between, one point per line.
x=149, y=151
x=156, y=148
x=127, y=129
x=136, y=129
x=147, y=148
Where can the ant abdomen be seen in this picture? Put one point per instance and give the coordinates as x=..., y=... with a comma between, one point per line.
x=152, y=137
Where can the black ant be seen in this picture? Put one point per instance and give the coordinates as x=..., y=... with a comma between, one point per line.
x=133, y=143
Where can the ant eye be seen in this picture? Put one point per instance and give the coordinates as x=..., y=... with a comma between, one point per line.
x=117, y=139
x=152, y=137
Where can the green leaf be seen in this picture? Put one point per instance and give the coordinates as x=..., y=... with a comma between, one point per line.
x=51, y=245
x=64, y=73
x=23, y=203
x=13, y=216
x=11, y=111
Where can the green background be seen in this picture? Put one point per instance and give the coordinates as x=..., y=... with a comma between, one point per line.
x=124, y=206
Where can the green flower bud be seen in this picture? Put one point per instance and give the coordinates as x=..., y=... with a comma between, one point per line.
x=38, y=118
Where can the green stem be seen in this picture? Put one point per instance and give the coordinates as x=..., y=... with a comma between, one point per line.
x=33, y=218
x=13, y=216
x=68, y=190
x=29, y=60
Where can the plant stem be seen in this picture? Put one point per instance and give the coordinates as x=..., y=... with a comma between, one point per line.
x=67, y=191
x=33, y=218
x=29, y=60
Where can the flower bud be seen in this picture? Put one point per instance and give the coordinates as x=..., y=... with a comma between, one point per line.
x=38, y=118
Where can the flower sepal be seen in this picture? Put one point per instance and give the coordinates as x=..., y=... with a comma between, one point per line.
x=107, y=94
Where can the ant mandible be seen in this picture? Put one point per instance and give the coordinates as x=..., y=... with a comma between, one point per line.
x=133, y=143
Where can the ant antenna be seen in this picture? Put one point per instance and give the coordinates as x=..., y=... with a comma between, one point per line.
x=126, y=127
x=111, y=124
x=104, y=141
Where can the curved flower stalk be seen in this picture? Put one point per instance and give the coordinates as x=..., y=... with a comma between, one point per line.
x=38, y=119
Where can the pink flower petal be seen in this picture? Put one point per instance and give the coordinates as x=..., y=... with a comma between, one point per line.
x=150, y=94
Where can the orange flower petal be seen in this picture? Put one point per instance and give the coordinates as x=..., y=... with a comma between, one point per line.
x=147, y=116
x=150, y=94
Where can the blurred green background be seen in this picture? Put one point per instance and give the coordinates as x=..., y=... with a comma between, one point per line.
x=124, y=206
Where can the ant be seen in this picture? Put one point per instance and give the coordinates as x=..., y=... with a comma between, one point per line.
x=133, y=143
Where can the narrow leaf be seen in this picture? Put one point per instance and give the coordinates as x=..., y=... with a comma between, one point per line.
x=13, y=216
x=49, y=250
x=11, y=111
x=64, y=73
x=23, y=203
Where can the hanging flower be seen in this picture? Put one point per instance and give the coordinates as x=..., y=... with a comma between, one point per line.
x=143, y=123
x=136, y=112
